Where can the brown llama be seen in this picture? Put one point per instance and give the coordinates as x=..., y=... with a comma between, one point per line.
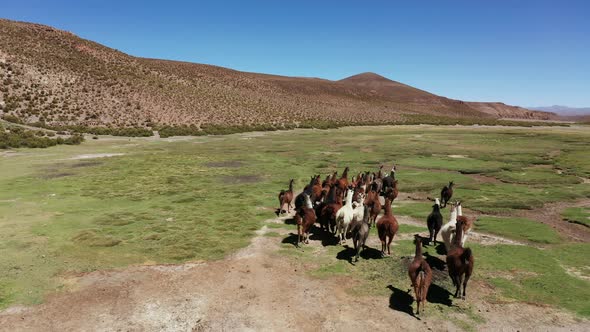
x=420, y=274
x=286, y=197
x=305, y=219
x=343, y=182
x=334, y=178
x=434, y=221
x=392, y=192
x=316, y=189
x=372, y=201
x=467, y=223
x=387, y=227
x=446, y=194
x=460, y=262
x=327, y=210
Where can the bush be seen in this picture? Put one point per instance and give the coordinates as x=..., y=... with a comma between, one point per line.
x=18, y=137
x=12, y=118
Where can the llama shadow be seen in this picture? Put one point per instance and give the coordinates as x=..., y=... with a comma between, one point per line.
x=437, y=294
x=371, y=253
x=435, y=262
x=327, y=238
x=401, y=301
x=292, y=239
x=346, y=254
x=425, y=242
x=440, y=249
x=290, y=221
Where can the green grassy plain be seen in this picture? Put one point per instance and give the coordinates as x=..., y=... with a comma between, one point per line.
x=201, y=198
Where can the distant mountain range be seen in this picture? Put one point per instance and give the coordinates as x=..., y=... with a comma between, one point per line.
x=56, y=78
x=563, y=110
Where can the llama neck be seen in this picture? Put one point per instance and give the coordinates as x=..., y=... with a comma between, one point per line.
x=349, y=198
x=418, y=247
x=454, y=215
x=437, y=201
x=308, y=202
x=459, y=233
x=387, y=207
x=291, y=186
x=459, y=211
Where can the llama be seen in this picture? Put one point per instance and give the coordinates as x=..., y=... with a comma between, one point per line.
x=327, y=210
x=420, y=274
x=391, y=192
x=388, y=181
x=449, y=228
x=446, y=194
x=360, y=232
x=316, y=189
x=387, y=227
x=434, y=221
x=305, y=219
x=380, y=172
x=344, y=217
x=327, y=181
x=467, y=224
x=286, y=197
x=372, y=201
x=343, y=182
x=460, y=262
x=308, y=190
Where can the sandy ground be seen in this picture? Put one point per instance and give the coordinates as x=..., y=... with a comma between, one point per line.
x=255, y=289
x=96, y=155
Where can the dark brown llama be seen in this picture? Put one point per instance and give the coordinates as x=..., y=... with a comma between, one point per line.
x=434, y=221
x=460, y=262
x=286, y=197
x=420, y=274
x=305, y=219
x=446, y=194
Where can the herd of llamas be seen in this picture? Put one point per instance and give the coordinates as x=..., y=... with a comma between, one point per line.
x=347, y=209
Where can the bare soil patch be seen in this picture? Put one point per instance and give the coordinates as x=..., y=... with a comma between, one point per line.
x=550, y=214
x=96, y=155
x=253, y=289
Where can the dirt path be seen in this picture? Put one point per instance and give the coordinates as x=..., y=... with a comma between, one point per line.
x=255, y=289
x=550, y=214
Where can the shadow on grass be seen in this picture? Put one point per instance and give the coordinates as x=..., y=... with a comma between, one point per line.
x=401, y=301
x=435, y=262
x=437, y=294
x=348, y=254
x=291, y=238
x=327, y=238
x=290, y=221
x=440, y=249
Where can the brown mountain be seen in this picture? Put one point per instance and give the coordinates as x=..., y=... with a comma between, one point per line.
x=53, y=76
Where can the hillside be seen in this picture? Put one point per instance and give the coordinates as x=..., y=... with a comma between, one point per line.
x=54, y=77
x=564, y=110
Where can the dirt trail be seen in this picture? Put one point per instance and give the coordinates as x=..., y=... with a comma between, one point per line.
x=550, y=214
x=255, y=289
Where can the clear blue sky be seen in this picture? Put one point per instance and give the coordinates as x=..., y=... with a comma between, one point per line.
x=527, y=53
